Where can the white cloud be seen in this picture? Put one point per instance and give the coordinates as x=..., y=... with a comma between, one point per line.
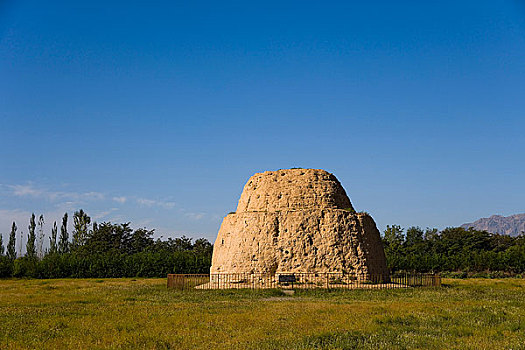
x=151, y=203
x=25, y=190
x=31, y=191
x=195, y=216
x=168, y=205
x=146, y=202
x=103, y=214
x=100, y=206
x=120, y=200
x=76, y=199
x=92, y=195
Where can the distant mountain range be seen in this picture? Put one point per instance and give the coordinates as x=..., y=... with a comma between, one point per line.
x=509, y=225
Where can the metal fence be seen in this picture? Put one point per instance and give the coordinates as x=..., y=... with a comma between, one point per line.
x=301, y=281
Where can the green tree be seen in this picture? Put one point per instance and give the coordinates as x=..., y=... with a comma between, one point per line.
x=11, y=245
x=107, y=237
x=31, y=238
x=393, y=240
x=53, y=239
x=414, y=236
x=1, y=244
x=81, y=222
x=202, y=246
x=141, y=240
x=393, y=236
x=40, y=239
x=63, y=243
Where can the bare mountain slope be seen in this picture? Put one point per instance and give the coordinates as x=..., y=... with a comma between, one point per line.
x=511, y=225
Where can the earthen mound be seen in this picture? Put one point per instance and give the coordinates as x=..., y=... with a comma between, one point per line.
x=297, y=220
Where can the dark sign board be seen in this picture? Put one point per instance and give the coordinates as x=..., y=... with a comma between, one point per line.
x=286, y=278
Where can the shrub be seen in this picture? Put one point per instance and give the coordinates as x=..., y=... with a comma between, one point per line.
x=6, y=266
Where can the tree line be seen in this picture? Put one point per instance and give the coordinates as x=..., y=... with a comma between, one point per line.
x=454, y=249
x=100, y=250
x=116, y=250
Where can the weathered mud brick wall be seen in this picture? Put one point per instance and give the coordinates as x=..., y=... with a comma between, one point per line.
x=297, y=220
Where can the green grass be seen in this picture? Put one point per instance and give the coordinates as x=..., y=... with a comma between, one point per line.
x=143, y=314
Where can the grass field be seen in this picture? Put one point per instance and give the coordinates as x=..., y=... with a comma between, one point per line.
x=143, y=314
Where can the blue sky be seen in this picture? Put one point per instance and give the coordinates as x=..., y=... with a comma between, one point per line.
x=158, y=112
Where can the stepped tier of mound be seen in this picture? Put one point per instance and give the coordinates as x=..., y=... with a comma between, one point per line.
x=297, y=220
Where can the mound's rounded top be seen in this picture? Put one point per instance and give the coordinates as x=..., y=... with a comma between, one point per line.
x=293, y=189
